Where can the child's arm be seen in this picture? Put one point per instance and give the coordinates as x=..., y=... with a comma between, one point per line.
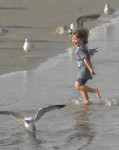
x=88, y=66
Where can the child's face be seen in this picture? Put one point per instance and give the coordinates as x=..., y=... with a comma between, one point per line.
x=76, y=42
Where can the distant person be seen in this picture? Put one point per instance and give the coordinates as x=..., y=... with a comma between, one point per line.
x=85, y=71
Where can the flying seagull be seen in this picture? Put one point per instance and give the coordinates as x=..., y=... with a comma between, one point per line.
x=27, y=46
x=29, y=122
x=108, y=10
x=79, y=24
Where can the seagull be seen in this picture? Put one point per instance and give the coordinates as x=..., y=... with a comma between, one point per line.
x=3, y=31
x=79, y=24
x=108, y=10
x=27, y=46
x=29, y=122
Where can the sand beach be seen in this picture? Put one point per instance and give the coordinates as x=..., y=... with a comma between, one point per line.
x=37, y=20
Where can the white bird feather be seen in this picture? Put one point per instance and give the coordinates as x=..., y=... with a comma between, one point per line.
x=78, y=24
x=27, y=46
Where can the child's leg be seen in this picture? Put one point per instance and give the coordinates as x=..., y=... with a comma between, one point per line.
x=85, y=97
x=84, y=88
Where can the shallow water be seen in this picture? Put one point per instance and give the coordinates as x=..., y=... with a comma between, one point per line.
x=76, y=126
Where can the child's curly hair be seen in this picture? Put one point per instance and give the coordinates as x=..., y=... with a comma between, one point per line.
x=82, y=34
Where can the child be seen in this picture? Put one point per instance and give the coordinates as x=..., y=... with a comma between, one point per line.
x=80, y=40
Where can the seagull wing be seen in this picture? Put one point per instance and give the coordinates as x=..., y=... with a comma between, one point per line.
x=29, y=44
x=13, y=114
x=5, y=31
x=61, y=29
x=111, y=10
x=92, y=51
x=46, y=109
x=82, y=19
x=32, y=46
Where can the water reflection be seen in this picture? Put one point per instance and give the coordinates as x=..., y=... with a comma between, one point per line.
x=16, y=140
x=84, y=133
x=34, y=143
x=25, y=74
x=108, y=30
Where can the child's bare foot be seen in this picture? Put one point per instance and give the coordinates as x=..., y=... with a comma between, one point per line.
x=87, y=103
x=97, y=93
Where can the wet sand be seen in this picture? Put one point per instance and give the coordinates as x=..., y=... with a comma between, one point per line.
x=37, y=20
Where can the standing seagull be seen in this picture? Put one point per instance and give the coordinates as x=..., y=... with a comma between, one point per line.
x=27, y=46
x=29, y=122
x=79, y=24
x=108, y=10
